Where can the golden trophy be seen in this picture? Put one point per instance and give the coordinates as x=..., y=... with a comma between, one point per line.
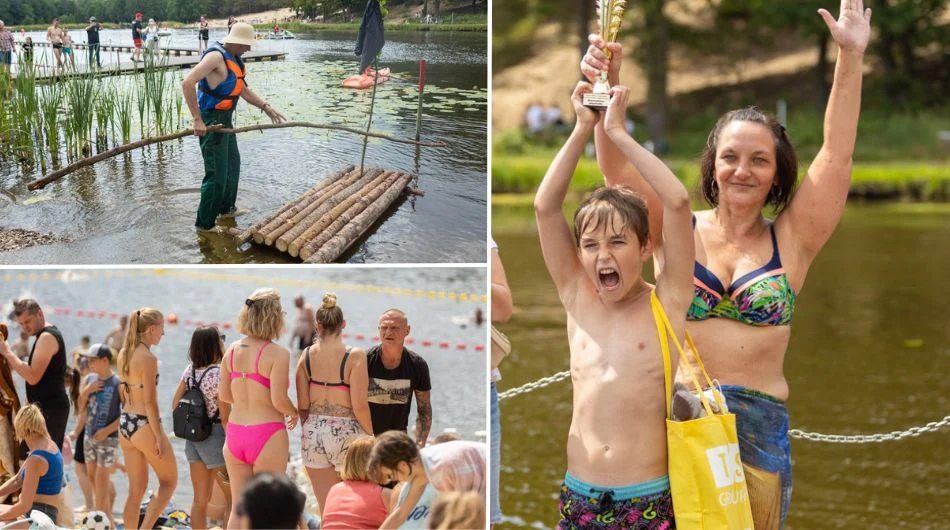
x=610, y=14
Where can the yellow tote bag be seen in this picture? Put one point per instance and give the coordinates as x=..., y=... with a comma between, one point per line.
x=706, y=476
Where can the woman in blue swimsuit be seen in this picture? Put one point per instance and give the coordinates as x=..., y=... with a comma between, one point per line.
x=748, y=268
x=40, y=479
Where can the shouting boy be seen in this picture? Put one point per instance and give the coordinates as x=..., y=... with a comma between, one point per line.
x=616, y=449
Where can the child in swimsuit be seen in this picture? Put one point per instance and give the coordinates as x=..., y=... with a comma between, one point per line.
x=255, y=380
x=335, y=406
x=616, y=449
x=140, y=428
x=43, y=468
x=68, y=49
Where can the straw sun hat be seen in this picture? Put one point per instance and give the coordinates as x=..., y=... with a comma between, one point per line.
x=241, y=33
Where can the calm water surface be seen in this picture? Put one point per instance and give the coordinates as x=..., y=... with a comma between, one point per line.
x=458, y=380
x=869, y=354
x=140, y=208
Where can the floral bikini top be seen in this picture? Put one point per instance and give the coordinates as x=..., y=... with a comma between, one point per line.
x=762, y=297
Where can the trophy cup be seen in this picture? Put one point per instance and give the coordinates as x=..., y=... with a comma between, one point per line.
x=610, y=13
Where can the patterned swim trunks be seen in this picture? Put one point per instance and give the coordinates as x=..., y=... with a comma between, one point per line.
x=101, y=453
x=612, y=509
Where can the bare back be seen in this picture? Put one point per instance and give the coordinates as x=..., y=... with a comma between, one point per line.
x=618, y=431
x=133, y=385
x=329, y=399
x=252, y=401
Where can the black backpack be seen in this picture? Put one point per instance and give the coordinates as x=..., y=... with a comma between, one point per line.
x=190, y=417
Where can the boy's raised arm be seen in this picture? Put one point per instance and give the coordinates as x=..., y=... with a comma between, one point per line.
x=557, y=243
x=675, y=261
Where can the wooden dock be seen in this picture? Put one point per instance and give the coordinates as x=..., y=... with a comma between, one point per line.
x=319, y=225
x=116, y=63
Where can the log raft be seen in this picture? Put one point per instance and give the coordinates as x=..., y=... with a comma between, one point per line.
x=320, y=224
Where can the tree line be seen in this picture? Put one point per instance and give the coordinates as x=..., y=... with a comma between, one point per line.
x=910, y=43
x=17, y=12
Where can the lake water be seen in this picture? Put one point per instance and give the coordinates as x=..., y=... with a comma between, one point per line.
x=439, y=303
x=141, y=206
x=869, y=354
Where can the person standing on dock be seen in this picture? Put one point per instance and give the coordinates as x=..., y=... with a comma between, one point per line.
x=54, y=36
x=151, y=37
x=220, y=81
x=92, y=41
x=137, y=37
x=203, y=34
x=68, y=49
x=6, y=48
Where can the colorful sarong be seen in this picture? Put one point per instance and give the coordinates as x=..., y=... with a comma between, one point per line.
x=762, y=424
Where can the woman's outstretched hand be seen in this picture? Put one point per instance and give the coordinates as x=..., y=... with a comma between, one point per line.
x=852, y=30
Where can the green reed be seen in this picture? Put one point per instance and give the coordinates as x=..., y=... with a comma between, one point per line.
x=49, y=100
x=123, y=109
x=105, y=114
x=82, y=92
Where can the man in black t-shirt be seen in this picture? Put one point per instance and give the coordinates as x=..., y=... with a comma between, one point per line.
x=92, y=40
x=395, y=374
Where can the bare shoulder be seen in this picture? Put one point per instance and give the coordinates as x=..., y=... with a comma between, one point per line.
x=47, y=339
x=278, y=351
x=358, y=354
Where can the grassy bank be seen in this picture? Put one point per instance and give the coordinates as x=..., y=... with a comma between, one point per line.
x=521, y=174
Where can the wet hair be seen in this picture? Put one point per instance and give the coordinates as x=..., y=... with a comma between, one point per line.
x=457, y=509
x=205, y=348
x=139, y=322
x=71, y=380
x=271, y=500
x=261, y=316
x=4, y=331
x=786, y=161
x=30, y=422
x=25, y=305
x=392, y=447
x=356, y=459
x=600, y=206
x=329, y=316
x=445, y=437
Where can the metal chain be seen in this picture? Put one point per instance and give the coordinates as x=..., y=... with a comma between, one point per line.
x=933, y=426
x=540, y=383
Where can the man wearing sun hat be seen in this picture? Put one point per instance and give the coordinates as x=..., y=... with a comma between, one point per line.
x=220, y=78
